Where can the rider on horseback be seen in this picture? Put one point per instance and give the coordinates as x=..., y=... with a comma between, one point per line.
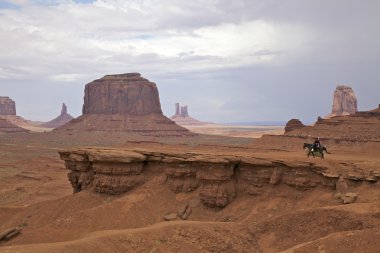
x=316, y=144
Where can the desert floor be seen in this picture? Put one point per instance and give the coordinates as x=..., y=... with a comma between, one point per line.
x=36, y=195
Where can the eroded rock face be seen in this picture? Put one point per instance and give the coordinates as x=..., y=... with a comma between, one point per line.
x=293, y=124
x=218, y=179
x=7, y=106
x=62, y=119
x=125, y=102
x=344, y=101
x=121, y=94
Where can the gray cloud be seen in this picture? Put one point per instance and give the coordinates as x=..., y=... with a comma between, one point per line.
x=242, y=60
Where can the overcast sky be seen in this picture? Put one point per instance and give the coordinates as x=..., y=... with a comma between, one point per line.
x=229, y=61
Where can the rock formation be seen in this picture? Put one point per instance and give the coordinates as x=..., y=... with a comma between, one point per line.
x=7, y=106
x=122, y=94
x=361, y=126
x=182, y=118
x=344, y=102
x=123, y=102
x=293, y=124
x=218, y=178
x=62, y=119
x=8, y=127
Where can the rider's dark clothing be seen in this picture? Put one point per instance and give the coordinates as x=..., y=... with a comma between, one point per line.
x=316, y=144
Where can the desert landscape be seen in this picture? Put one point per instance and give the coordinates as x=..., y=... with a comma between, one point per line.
x=189, y=126
x=124, y=178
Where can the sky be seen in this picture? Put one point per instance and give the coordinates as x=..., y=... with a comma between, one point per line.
x=229, y=61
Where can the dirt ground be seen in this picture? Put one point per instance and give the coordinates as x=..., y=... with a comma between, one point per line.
x=36, y=195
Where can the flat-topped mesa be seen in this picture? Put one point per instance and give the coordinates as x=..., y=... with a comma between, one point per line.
x=7, y=106
x=344, y=101
x=124, y=102
x=122, y=94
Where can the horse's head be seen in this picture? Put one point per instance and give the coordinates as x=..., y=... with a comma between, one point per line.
x=305, y=145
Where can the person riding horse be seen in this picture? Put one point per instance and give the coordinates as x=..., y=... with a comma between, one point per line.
x=316, y=144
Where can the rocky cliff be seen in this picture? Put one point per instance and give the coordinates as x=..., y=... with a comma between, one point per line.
x=62, y=119
x=128, y=94
x=7, y=106
x=344, y=102
x=217, y=178
x=293, y=124
x=124, y=102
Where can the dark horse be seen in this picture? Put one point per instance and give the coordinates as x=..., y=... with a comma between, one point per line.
x=319, y=150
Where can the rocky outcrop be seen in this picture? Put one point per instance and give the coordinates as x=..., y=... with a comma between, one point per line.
x=8, y=127
x=344, y=102
x=182, y=118
x=361, y=126
x=124, y=102
x=218, y=178
x=62, y=119
x=128, y=94
x=7, y=106
x=293, y=124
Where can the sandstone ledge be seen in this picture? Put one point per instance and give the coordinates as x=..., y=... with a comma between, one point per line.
x=218, y=178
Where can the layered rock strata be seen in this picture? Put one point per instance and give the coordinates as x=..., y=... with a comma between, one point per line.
x=218, y=179
x=62, y=119
x=7, y=106
x=361, y=126
x=124, y=102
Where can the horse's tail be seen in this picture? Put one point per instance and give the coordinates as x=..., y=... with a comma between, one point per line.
x=325, y=149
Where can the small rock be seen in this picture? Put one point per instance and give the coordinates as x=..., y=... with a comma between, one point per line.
x=170, y=217
x=186, y=214
x=10, y=233
x=349, y=198
x=338, y=195
x=182, y=210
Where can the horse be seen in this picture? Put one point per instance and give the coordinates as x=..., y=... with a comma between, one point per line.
x=316, y=150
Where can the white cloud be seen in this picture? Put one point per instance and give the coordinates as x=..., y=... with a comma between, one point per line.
x=51, y=40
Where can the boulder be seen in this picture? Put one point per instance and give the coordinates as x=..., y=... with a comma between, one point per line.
x=170, y=217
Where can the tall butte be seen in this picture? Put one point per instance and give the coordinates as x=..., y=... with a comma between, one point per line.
x=344, y=102
x=123, y=102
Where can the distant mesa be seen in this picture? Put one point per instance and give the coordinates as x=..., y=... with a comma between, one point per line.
x=123, y=102
x=7, y=106
x=293, y=124
x=8, y=127
x=9, y=122
x=181, y=117
x=344, y=102
x=62, y=119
